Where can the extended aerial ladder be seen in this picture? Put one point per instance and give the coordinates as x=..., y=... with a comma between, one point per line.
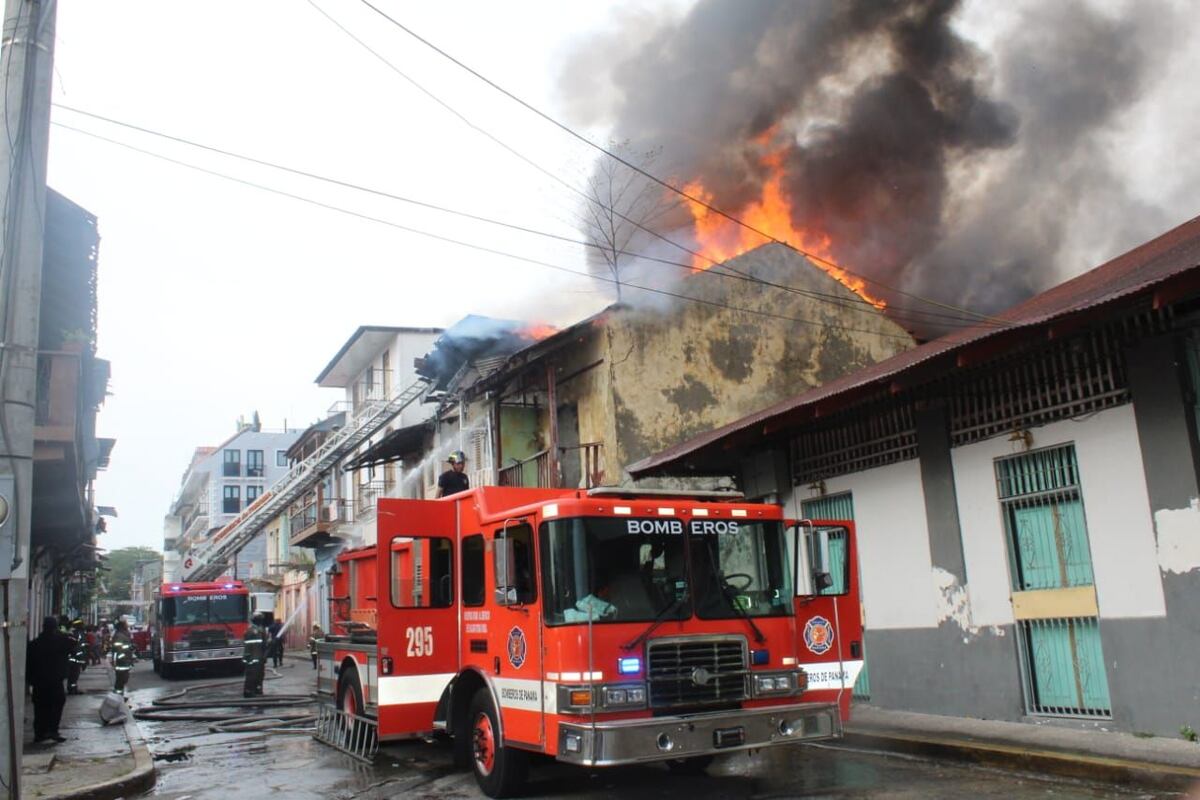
x=209, y=559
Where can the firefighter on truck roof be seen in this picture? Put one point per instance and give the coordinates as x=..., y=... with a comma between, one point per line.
x=454, y=479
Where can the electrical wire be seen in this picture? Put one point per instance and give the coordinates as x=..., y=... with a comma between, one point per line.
x=652, y=177
x=479, y=247
x=854, y=303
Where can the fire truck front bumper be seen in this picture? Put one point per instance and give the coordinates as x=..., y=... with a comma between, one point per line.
x=634, y=741
x=197, y=656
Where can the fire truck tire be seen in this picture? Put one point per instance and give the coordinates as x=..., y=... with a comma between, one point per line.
x=695, y=765
x=350, y=695
x=500, y=771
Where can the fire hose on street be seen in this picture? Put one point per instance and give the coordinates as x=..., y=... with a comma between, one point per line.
x=229, y=714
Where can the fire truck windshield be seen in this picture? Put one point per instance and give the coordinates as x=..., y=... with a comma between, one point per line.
x=634, y=570
x=740, y=569
x=613, y=570
x=202, y=609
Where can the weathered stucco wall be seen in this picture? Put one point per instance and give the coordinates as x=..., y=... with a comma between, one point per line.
x=680, y=371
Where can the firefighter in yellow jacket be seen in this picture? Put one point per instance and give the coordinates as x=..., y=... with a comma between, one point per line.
x=121, y=650
x=254, y=651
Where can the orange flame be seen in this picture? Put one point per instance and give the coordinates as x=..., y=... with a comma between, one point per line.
x=537, y=331
x=720, y=239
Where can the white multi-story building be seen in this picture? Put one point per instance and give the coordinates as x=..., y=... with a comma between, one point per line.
x=219, y=484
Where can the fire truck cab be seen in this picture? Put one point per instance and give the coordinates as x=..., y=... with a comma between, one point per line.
x=198, y=624
x=597, y=627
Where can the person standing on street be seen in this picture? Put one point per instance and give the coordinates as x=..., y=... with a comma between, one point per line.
x=315, y=636
x=122, y=656
x=454, y=479
x=253, y=657
x=275, y=645
x=46, y=669
x=78, y=658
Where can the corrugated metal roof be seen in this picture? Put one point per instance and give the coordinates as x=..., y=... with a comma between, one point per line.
x=1175, y=253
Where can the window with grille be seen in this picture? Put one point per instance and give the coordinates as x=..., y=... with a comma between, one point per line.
x=1062, y=664
x=1043, y=515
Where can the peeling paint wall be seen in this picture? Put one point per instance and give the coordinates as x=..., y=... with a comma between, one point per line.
x=692, y=367
x=1179, y=538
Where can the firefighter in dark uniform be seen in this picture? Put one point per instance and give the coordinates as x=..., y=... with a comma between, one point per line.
x=254, y=652
x=314, y=637
x=45, y=669
x=121, y=649
x=79, y=657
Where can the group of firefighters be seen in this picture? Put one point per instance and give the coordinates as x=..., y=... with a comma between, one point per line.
x=61, y=653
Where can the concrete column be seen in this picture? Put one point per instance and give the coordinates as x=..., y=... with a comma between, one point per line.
x=941, y=503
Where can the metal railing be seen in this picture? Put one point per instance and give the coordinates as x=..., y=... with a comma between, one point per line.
x=591, y=462
x=366, y=494
x=531, y=472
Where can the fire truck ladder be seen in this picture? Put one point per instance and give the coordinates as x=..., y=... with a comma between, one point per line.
x=357, y=737
x=208, y=560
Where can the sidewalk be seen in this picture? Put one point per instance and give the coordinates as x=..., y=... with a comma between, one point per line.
x=96, y=761
x=1151, y=762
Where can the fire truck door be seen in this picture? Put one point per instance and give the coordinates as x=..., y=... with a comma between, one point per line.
x=515, y=639
x=828, y=617
x=417, y=615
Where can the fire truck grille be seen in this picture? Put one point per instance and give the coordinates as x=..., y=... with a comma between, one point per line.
x=207, y=639
x=685, y=672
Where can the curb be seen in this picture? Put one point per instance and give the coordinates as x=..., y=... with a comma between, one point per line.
x=1081, y=766
x=136, y=781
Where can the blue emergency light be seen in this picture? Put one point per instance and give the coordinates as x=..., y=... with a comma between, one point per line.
x=760, y=657
x=629, y=666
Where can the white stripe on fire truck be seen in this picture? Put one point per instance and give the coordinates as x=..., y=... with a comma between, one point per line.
x=527, y=695
x=399, y=690
x=825, y=675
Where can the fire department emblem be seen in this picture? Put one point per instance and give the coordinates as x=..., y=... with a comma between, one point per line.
x=818, y=635
x=516, y=647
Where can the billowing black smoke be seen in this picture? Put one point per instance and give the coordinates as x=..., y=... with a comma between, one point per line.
x=933, y=166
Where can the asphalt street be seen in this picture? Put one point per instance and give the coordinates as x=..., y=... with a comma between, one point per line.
x=195, y=763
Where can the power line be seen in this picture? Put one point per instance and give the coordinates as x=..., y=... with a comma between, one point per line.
x=665, y=184
x=472, y=245
x=956, y=318
x=726, y=271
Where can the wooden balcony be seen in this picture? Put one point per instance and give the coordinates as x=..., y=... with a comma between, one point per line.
x=315, y=521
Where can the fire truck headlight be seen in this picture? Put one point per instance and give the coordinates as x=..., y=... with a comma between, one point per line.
x=180, y=645
x=773, y=684
x=636, y=695
x=615, y=697
x=235, y=642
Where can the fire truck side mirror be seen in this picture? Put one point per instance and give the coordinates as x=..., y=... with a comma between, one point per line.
x=503, y=561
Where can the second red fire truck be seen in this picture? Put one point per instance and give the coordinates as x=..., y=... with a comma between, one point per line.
x=597, y=627
x=198, y=624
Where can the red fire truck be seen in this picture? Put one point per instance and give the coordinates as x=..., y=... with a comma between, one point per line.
x=599, y=628
x=195, y=624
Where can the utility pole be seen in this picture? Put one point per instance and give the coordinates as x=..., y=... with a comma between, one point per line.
x=26, y=67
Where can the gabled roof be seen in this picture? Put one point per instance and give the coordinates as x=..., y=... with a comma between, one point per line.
x=1166, y=269
x=362, y=346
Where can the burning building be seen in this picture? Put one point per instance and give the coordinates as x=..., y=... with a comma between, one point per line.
x=571, y=407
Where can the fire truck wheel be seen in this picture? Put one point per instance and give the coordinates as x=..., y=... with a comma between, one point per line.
x=499, y=770
x=350, y=696
x=689, y=766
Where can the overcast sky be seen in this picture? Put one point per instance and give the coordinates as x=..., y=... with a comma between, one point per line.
x=218, y=299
